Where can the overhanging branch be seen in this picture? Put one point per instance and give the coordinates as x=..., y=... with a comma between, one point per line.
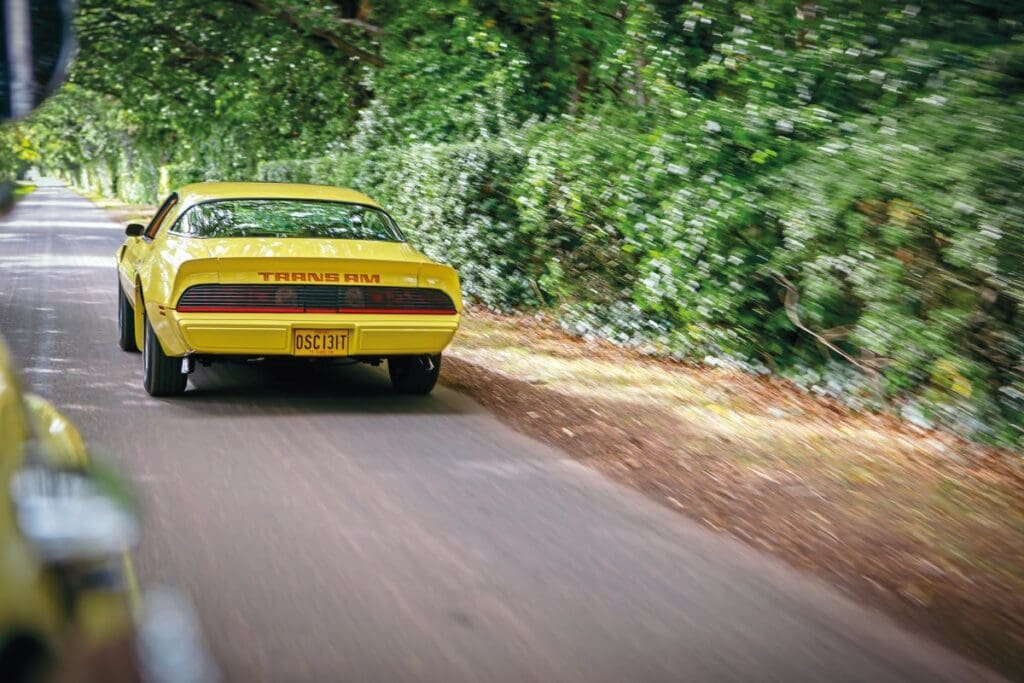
x=792, y=298
x=332, y=39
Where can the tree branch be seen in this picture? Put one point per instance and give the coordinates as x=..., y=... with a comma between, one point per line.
x=791, y=300
x=332, y=39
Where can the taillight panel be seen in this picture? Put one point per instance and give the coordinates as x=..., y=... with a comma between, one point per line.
x=249, y=298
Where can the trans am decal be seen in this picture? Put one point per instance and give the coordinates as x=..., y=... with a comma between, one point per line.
x=361, y=278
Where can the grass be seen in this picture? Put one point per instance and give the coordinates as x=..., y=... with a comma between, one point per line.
x=22, y=188
x=118, y=210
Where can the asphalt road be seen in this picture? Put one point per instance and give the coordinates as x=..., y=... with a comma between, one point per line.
x=329, y=530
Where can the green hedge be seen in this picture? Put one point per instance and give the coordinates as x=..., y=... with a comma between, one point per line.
x=455, y=202
x=902, y=248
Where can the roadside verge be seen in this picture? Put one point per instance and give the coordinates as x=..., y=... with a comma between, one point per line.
x=926, y=526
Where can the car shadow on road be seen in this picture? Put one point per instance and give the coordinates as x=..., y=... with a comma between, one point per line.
x=299, y=387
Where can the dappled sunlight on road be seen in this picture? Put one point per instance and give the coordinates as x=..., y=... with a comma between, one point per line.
x=51, y=261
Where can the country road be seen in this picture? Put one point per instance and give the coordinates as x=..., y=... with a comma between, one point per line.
x=328, y=530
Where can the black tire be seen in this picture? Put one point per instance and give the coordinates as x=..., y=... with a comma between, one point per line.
x=125, y=322
x=162, y=373
x=414, y=374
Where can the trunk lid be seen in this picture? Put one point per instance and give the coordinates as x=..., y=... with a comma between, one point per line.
x=291, y=260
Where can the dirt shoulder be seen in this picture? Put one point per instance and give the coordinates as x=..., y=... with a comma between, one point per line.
x=118, y=211
x=921, y=524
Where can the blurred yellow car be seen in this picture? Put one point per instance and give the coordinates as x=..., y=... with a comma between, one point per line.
x=229, y=270
x=67, y=602
x=70, y=608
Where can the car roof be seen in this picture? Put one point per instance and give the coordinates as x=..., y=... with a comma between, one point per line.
x=202, y=192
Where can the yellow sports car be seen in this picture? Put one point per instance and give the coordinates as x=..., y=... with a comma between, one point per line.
x=244, y=270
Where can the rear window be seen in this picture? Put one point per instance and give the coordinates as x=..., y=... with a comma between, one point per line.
x=287, y=218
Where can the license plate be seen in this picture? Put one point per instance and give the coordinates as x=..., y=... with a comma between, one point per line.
x=320, y=342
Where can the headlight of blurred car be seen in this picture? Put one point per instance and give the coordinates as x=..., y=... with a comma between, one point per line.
x=73, y=516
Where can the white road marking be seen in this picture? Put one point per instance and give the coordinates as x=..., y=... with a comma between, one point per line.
x=48, y=261
x=64, y=225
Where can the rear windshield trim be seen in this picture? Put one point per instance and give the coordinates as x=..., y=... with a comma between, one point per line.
x=174, y=228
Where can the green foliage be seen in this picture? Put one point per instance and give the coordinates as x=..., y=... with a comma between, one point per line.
x=452, y=201
x=829, y=191
x=912, y=240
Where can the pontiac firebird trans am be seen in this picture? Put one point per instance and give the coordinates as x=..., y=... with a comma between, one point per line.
x=249, y=270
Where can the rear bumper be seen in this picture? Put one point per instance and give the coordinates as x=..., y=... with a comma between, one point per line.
x=266, y=334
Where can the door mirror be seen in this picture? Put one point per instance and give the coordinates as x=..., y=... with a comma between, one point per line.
x=73, y=516
x=36, y=49
x=135, y=230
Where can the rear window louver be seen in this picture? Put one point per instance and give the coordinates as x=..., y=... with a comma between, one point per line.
x=214, y=298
